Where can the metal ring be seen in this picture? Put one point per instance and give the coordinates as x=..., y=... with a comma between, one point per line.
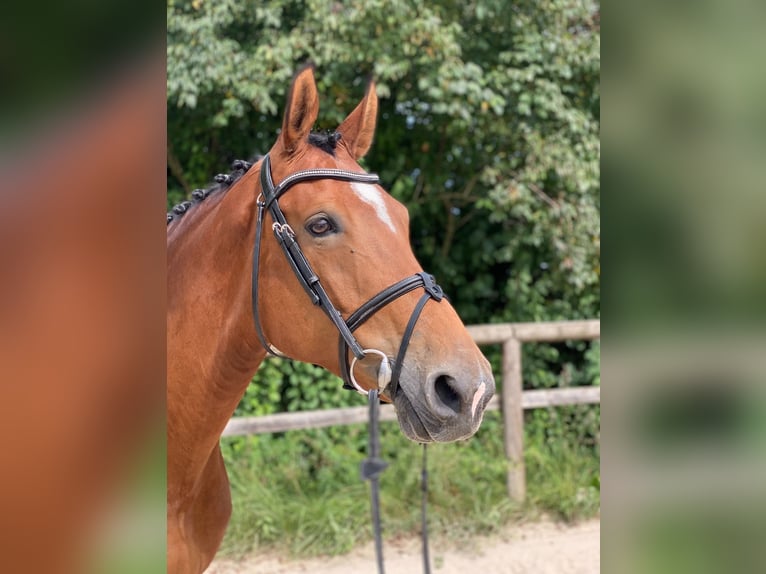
x=384, y=364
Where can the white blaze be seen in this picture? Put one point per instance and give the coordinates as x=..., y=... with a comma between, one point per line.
x=372, y=195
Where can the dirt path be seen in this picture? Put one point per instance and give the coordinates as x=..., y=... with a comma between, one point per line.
x=537, y=548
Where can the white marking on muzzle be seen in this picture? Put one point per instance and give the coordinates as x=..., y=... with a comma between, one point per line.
x=477, y=397
x=370, y=194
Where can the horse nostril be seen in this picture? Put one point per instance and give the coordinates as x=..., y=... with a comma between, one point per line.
x=443, y=385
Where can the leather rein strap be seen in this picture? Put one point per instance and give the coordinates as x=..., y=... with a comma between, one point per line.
x=371, y=468
x=310, y=282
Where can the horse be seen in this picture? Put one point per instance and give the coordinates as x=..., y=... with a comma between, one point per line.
x=317, y=267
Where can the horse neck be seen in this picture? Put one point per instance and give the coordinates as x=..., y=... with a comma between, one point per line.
x=213, y=351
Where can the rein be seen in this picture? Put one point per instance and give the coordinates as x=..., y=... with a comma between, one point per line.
x=387, y=375
x=371, y=468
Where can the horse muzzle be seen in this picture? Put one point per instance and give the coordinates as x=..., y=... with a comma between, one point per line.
x=446, y=407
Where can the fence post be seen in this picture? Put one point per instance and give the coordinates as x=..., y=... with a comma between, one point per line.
x=513, y=419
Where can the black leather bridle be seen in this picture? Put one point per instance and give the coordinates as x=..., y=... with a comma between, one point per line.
x=269, y=199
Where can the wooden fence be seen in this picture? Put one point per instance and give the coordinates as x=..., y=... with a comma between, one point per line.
x=513, y=400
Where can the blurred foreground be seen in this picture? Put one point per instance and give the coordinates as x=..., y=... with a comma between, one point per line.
x=82, y=324
x=684, y=366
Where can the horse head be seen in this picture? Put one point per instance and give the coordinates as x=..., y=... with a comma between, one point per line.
x=339, y=237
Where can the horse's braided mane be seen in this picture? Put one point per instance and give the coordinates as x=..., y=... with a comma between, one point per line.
x=325, y=141
x=222, y=182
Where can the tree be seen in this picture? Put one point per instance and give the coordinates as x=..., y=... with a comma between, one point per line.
x=488, y=131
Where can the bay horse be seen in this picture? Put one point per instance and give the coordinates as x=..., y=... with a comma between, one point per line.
x=237, y=292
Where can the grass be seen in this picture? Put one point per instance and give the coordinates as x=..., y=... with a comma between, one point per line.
x=300, y=493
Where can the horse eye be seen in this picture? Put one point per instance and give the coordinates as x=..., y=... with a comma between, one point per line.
x=320, y=226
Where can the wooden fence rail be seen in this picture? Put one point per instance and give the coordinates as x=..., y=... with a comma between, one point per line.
x=512, y=401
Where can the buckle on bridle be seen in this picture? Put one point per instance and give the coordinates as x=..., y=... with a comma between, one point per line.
x=283, y=230
x=384, y=371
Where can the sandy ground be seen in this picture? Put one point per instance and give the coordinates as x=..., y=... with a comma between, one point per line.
x=536, y=548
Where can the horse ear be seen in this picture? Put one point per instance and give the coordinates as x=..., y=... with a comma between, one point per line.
x=358, y=128
x=302, y=109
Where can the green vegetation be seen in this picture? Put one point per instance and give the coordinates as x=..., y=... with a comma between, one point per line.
x=488, y=131
x=300, y=493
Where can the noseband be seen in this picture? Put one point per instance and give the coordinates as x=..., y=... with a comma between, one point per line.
x=269, y=199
